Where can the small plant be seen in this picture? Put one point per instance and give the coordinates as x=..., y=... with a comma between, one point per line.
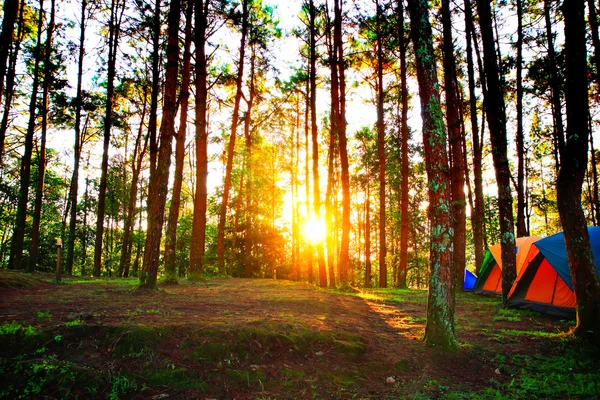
x=14, y=327
x=72, y=324
x=121, y=386
x=44, y=315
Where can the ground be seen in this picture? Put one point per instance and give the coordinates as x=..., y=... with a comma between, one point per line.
x=267, y=339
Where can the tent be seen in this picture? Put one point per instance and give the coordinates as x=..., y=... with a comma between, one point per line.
x=489, y=280
x=545, y=283
x=469, y=282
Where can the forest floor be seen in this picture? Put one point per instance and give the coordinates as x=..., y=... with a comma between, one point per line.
x=266, y=339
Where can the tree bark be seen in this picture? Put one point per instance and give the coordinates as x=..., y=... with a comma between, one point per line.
x=315, y=137
x=458, y=167
x=496, y=116
x=137, y=159
x=344, y=258
x=171, y=234
x=521, y=226
x=439, y=329
x=153, y=121
x=39, y=193
x=114, y=28
x=586, y=284
x=381, y=150
x=232, y=139
x=477, y=214
x=159, y=181
x=309, y=248
x=11, y=73
x=11, y=10
x=199, y=220
x=554, y=82
x=368, y=277
x=403, y=266
x=16, y=250
x=77, y=145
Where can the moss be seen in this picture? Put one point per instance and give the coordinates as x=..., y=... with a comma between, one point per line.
x=175, y=377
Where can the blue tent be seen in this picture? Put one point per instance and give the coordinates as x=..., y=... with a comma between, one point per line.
x=470, y=280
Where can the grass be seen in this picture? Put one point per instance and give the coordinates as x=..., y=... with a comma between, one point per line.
x=279, y=340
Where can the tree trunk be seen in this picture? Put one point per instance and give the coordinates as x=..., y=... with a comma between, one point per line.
x=477, y=214
x=586, y=284
x=199, y=221
x=16, y=250
x=381, y=151
x=77, y=145
x=153, y=122
x=496, y=115
x=309, y=248
x=39, y=193
x=454, y=120
x=114, y=28
x=344, y=258
x=439, y=330
x=403, y=266
x=171, y=234
x=521, y=227
x=232, y=139
x=554, y=82
x=368, y=277
x=12, y=63
x=159, y=181
x=11, y=10
x=315, y=138
x=248, y=260
x=138, y=157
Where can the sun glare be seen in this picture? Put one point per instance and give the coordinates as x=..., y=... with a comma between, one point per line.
x=314, y=230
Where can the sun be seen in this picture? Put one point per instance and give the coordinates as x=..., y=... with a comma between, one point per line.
x=314, y=230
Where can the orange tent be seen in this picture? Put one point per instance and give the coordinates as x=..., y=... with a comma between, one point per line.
x=545, y=283
x=489, y=280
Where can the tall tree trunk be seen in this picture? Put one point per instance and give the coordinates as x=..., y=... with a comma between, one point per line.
x=11, y=10
x=84, y=228
x=295, y=272
x=249, y=245
x=344, y=258
x=16, y=250
x=153, y=122
x=477, y=214
x=315, y=137
x=171, y=234
x=159, y=181
x=554, y=83
x=458, y=167
x=12, y=64
x=137, y=159
x=232, y=139
x=330, y=210
x=403, y=266
x=439, y=329
x=199, y=221
x=39, y=193
x=381, y=150
x=368, y=277
x=114, y=29
x=586, y=284
x=521, y=226
x=593, y=20
x=309, y=248
x=496, y=115
x=77, y=145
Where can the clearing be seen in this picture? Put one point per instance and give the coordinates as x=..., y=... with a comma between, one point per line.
x=266, y=339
